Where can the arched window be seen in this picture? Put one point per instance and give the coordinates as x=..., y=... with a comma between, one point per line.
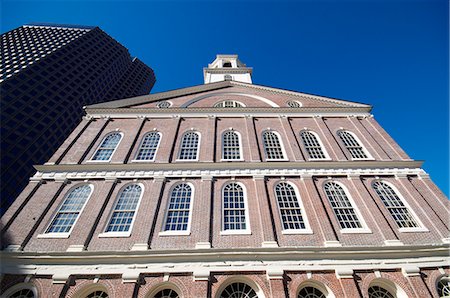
x=234, y=208
x=294, y=104
x=288, y=204
x=312, y=145
x=149, y=146
x=226, y=64
x=342, y=207
x=353, y=146
x=229, y=104
x=228, y=78
x=399, y=212
x=166, y=293
x=189, y=146
x=71, y=208
x=179, y=208
x=231, y=146
x=163, y=104
x=23, y=293
x=238, y=290
x=443, y=287
x=125, y=209
x=310, y=292
x=379, y=292
x=97, y=294
x=107, y=147
x=272, y=146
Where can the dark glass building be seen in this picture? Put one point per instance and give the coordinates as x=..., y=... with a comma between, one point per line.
x=48, y=73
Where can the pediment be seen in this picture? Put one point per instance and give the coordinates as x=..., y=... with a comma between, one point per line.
x=244, y=95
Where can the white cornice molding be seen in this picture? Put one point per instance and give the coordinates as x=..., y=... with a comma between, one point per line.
x=197, y=260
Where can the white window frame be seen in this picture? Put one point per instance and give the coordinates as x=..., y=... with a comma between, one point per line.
x=289, y=102
x=187, y=232
x=307, y=229
x=106, y=234
x=369, y=156
x=99, y=145
x=66, y=234
x=235, y=102
x=420, y=228
x=364, y=228
x=324, y=150
x=247, y=230
x=240, y=146
x=140, y=145
x=159, y=104
x=281, y=146
x=198, y=146
x=19, y=287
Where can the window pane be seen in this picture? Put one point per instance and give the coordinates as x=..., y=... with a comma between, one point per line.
x=125, y=209
x=234, y=207
x=107, y=147
x=189, y=146
x=272, y=145
x=291, y=214
x=231, y=145
x=149, y=146
x=352, y=145
x=179, y=208
x=312, y=145
x=342, y=208
x=399, y=212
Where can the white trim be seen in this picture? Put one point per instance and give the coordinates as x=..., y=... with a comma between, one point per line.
x=66, y=234
x=393, y=288
x=155, y=289
x=260, y=98
x=91, y=160
x=140, y=145
x=240, y=145
x=165, y=232
x=198, y=146
x=247, y=230
x=420, y=228
x=283, y=150
x=364, y=228
x=307, y=229
x=232, y=100
x=240, y=279
x=105, y=233
x=325, y=152
x=315, y=284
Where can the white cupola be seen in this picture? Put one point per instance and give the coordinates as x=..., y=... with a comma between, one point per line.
x=227, y=68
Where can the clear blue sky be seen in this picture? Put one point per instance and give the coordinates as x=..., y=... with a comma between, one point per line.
x=391, y=54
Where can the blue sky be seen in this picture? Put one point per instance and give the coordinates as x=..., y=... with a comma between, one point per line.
x=391, y=54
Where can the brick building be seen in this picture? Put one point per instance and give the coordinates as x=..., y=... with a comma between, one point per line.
x=228, y=189
x=48, y=72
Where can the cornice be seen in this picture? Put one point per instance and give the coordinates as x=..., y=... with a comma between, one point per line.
x=229, y=112
x=228, y=70
x=200, y=169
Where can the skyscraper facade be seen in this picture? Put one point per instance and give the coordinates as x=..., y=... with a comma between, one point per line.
x=48, y=73
x=228, y=190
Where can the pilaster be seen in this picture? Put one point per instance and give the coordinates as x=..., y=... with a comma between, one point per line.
x=264, y=214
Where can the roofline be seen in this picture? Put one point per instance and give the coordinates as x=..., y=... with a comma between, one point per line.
x=133, y=101
x=54, y=25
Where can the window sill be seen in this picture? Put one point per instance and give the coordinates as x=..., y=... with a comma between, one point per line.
x=53, y=235
x=174, y=233
x=297, y=232
x=227, y=160
x=356, y=231
x=320, y=159
x=358, y=159
x=114, y=235
x=413, y=230
x=278, y=159
x=142, y=160
x=186, y=160
x=236, y=232
x=97, y=161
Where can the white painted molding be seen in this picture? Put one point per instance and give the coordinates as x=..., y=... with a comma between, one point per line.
x=13, y=247
x=344, y=273
x=275, y=273
x=203, y=245
x=60, y=277
x=269, y=244
x=130, y=276
x=201, y=275
x=75, y=248
x=139, y=247
x=410, y=270
x=393, y=242
x=332, y=243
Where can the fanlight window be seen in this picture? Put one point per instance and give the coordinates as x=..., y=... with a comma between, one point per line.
x=399, y=212
x=107, y=147
x=379, y=292
x=272, y=146
x=167, y=293
x=342, y=207
x=294, y=104
x=310, y=292
x=291, y=213
x=179, y=207
x=125, y=209
x=97, y=294
x=149, y=145
x=312, y=145
x=234, y=209
x=229, y=104
x=70, y=210
x=228, y=78
x=189, y=146
x=238, y=290
x=163, y=104
x=443, y=287
x=24, y=293
x=354, y=148
x=231, y=145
